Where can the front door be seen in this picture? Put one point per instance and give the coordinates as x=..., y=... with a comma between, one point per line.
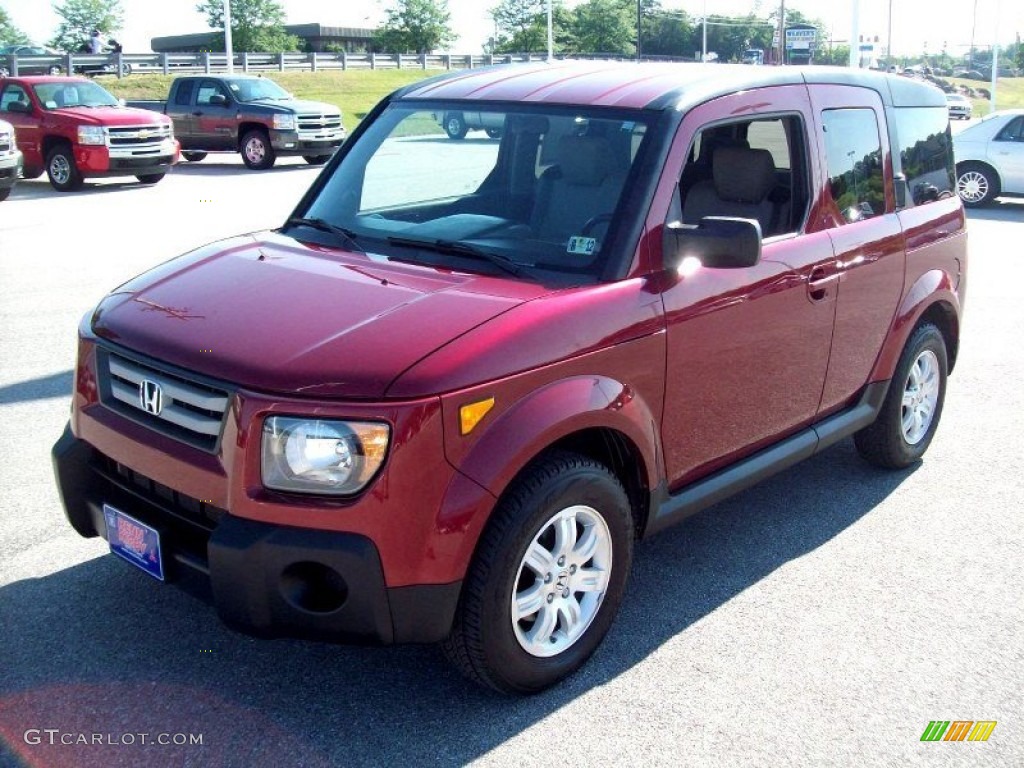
x=26, y=126
x=214, y=125
x=747, y=348
x=1006, y=151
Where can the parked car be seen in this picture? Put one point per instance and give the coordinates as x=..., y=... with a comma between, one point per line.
x=457, y=123
x=442, y=400
x=990, y=158
x=960, y=107
x=73, y=129
x=251, y=115
x=31, y=67
x=10, y=160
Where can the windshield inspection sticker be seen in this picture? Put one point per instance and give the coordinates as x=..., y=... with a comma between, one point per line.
x=582, y=245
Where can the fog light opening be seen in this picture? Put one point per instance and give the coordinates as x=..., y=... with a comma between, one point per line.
x=313, y=587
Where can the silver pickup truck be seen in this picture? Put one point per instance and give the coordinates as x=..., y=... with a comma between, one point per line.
x=458, y=124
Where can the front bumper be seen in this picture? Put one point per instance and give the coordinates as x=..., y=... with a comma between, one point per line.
x=306, y=142
x=122, y=161
x=10, y=169
x=267, y=580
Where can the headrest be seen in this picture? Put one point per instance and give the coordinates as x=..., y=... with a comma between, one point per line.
x=584, y=160
x=743, y=175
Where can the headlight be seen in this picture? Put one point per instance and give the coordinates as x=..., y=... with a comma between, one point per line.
x=91, y=134
x=284, y=122
x=318, y=456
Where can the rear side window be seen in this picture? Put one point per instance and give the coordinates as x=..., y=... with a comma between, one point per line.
x=184, y=95
x=926, y=153
x=853, y=152
x=1012, y=132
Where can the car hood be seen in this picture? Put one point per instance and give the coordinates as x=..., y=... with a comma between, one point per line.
x=112, y=116
x=269, y=313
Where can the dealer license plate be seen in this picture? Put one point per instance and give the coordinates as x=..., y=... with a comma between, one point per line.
x=134, y=541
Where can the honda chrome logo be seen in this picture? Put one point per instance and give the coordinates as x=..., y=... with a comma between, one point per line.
x=151, y=397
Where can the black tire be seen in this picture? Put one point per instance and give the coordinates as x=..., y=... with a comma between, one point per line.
x=257, y=152
x=316, y=159
x=455, y=125
x=884, y=443
x=977, y=184
x=194, y=157
x=493, y=133
x=151, y=178
x=4, y=194
x=54, y=70
x=483, y=643
x=61, y=169
x=32, y=174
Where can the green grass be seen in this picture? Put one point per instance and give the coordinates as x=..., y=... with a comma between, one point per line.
x=355, y=92
x=1009, y=93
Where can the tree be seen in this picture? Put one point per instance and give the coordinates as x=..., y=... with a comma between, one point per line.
x=256, y=25
x=522, y=25
x=605, y=26
x=80, y=17
x=9, y=33
x=664, y=33
x=416, y=26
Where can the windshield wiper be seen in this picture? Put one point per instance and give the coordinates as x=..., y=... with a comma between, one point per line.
x=459, y=248
x=325, y=226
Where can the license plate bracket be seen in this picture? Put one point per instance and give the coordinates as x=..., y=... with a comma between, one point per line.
x=134, y=541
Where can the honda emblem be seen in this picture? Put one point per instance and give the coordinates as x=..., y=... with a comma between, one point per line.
x=151, y=397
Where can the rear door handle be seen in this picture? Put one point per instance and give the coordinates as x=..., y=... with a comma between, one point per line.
x=197, y=114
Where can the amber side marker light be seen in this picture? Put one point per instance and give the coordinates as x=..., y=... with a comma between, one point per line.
x=471, y=414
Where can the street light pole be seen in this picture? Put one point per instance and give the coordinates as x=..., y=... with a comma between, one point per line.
x=782, y=32
x=638, y=30
x=855, y=35
x=704, y=34
x=551, y=36
x=227, y=37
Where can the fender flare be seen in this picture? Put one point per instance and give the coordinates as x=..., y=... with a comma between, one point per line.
x=935, y=288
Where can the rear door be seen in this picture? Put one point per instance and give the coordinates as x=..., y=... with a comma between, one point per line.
x=179, y=109
x=865, y=230
x=1006, y=151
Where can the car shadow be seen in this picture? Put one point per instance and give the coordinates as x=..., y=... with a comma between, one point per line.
x=1001, y=209
x=212, y=167
x=100, y=647
x=42, y=388
x=37, y=189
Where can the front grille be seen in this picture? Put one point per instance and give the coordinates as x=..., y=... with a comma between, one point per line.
x=319, y=123
x=8, y=173
x=137, y=135
x=172, y=403
x=6, y=145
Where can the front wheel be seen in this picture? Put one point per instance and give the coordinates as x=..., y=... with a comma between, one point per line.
x=493, y=133
x=316, y=159
x=912, y=408
x=976, y=184
x=548, y=576
x=4, y=194
x=54, y=70
x=61, y=169
x=455, y=125
x=151, y=178
x=257, y=153
x=194, y=157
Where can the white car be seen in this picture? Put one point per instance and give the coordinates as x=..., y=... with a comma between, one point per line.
x=990, y=158
x=960, y=106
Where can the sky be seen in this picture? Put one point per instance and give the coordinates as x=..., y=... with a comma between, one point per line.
x=916, y=23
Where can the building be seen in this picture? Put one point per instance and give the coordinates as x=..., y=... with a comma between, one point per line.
x=314, y=37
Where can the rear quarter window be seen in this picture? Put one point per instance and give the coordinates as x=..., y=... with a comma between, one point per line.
x=854, y=155
x=926, y=153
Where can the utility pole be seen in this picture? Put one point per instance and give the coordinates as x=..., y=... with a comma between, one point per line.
x=638, y=30
x=228, y=49
x=888, y=41
x=782, y=31
x=974, y=25
x=551, y=36
x=855, y=36
x=995, y=60
x=704, y=34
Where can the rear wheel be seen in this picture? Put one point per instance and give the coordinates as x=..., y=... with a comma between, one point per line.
x=4, y=194
x=257, y=153
x=912, y=408
x=194, y=157
x=151, y=178
x=547, y=579
x=54, y=70
x=493, y=133
x=61, y=169
x=976, y=184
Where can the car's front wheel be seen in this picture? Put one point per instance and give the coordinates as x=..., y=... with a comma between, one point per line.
x=257, y=153
x=455, y=125
x=150, y=178
x=910, y=414
x=61, y=169
x=548, y=576
x=194, y=157
x=976, y=184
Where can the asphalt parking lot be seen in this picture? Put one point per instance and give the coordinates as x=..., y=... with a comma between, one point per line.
x=823, y=618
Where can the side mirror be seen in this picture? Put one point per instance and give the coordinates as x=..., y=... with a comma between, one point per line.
x=122, y=103
x=219, y=100
x=719, y=242
x=20, y=106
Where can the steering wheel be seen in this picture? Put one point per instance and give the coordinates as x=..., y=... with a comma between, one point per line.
x=595, y=221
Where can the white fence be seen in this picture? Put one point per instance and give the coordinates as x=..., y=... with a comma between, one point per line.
x=170, y=63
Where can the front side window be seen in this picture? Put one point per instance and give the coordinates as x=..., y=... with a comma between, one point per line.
x=530, y=191
x=11, y=94
x=853, y=152
x=1014, y=131
x=207, y=91
x=926, y=153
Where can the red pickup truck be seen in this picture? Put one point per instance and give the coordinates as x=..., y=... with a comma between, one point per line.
x=445, y=397
x=73, y=129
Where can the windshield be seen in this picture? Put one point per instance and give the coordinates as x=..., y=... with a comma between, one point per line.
x=74, y=94
x=257, y=89
x=530, y=191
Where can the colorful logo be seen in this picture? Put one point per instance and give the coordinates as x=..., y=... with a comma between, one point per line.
x=958, y=730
